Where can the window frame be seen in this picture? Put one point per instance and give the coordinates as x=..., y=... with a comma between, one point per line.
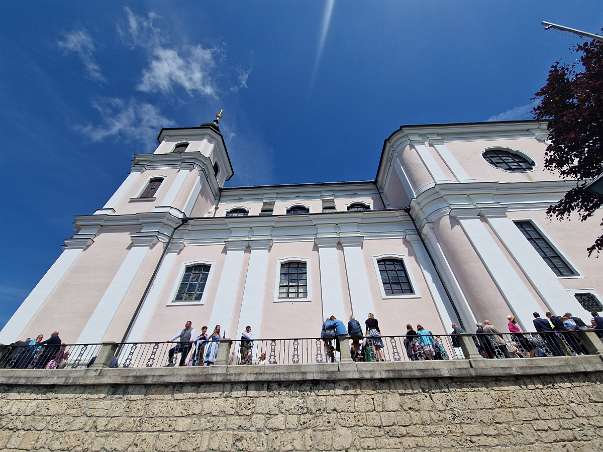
x=180, y=144
x=146, y=184
x=347, y=207
x=297, y=205
x=177, y=281
x=579, y=308
x=236, y=216
x=510, y=151
x=554, y=245
x=413, y=281
x=277, y=278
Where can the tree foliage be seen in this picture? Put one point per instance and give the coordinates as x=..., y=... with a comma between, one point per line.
x=572, y=103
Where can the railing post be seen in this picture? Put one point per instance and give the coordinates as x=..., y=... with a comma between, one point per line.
x=468, y=347
x=105, y=355
x=223, y=352
x=591, y=342
x=344, y=349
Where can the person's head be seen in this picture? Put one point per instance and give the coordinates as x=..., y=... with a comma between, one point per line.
x=511, y=318
x=567, y=316
x=332, y=317
x=487, y=322
x=479, y=325
x=409, y=327
x=54, y=334
x=419, y=327
x=217, y=330
x=371, y=315
x=248, y=329
x=455, y=325
x=204, y=329
x=352, y=317
x=548, y=314
x=536, y=315
x=39, y=338
x=188, y=324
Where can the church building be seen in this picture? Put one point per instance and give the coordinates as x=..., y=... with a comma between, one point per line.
x=453, y=228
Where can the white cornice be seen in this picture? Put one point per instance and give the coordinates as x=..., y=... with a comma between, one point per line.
x=302, y=191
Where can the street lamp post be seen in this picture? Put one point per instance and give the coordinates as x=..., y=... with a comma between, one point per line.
x=585, y=34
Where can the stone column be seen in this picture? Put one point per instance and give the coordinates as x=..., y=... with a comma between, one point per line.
x=357, y=276
x=330, y=278
x=254, y=292
x=105, y=355
x=223, y=311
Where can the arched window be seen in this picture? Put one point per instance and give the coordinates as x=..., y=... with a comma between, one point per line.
x=238, y=212
x=394, y=277
x=358, y=207
x=507, y=160
x=180, y=147
x=293, y=281
x=193, y=283
x=151, y=188
x=297, y=210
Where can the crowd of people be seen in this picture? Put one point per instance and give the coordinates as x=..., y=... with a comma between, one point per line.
x=37, y=353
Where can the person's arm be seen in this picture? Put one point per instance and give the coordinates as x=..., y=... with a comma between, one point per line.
x=377, y=326
x=175, y=337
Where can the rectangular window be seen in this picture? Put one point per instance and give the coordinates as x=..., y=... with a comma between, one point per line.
x=193, y=283
x=328, y=205
x=394, y=277
x=589, y=302
x=152, y=187
x=545, y=249
x=267, y=208
x=293, y=280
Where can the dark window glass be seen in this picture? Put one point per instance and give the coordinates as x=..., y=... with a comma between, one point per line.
x=193, y=283
x=267, y=208
x=152, y=187
x=509, y=161
x=216, y=169
x=545, y=249
x=358, y=207
x=328, y=205
x=394, y=277
x=589, y=302
x=239, y=212
x=297, y=210
x=181, y=147
x=293, y=280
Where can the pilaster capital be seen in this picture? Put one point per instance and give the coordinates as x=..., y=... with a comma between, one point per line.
x=144, y=239
x=412, y=237
x=493, y=212
x=78, y=242
x=236, y=245
x=260, y=244
x=175, y=246
x=351, y=241
x=326, y=242
x=464, y=212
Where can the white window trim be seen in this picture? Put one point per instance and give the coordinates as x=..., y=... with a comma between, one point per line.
x=413, y=280
x=367, y=203
x=512, y=151
x=147, y=180
x=555, y=247
x=573, y=292
x=172, y=298
x=277, y=279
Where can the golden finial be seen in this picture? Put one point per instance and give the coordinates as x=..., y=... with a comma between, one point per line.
x=219, y=116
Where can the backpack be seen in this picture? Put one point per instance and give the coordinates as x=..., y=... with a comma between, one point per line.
x=354, y=328
x=327, y=334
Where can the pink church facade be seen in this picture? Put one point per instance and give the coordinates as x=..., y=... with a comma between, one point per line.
x=452, y=229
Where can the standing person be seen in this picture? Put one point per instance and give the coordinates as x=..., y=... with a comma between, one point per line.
x=484, y=346
x=340, y=332
x=497, y=339
x=556, y=321
x=455, y=338
x=571, y=334
x=522, y=343
x=246, y=346
x=597, y=323
x=411, y=343
x=51, y=346
x=579, y=322
x=374, y=333
x=327, y=334
x=211, y=349
x=544, y=327
x=200, y=343
x=426, y=340
x=185, y=338
x=355, y=332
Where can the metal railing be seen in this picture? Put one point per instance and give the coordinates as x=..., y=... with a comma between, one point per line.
x=530, y=345
x=49, y=356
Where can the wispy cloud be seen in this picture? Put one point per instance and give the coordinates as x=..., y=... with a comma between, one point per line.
x=132, y=121
x=322, y=37
x=140, y=31
x=515, y=113
x=80, y=43
x=242, y=78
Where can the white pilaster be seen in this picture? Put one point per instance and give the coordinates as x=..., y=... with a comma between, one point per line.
x=194, y=195
x=254, y=293
x=430, y=163
x=36, y=298
x=360, y=292
x=125, y=189
x=330, y=278
x=147, y=311
x=438, y=293
x=223, y=311
x=168, y=199
x=452, y=283
x=404, y=178
x=537, y=271
x=516, y=293
x=101, y=318
x=455, y=167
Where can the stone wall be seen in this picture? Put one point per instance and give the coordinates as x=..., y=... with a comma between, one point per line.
x=520, y=412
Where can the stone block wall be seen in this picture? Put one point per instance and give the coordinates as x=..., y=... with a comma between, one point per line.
x=559, y=412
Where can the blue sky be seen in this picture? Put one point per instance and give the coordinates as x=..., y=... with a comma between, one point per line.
x=310, y=90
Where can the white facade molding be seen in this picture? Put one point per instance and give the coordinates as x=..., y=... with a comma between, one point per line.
x=535, y=268
x=453, y=164
x=223, y=311
x=38, y=296
x=254, y=291
x=330, y=278
x=123, y=191
x=357, y=278
x=276, y=298
x=193, y=196
x=167, y=201
x=404, y=179
x=98, y=323
x=519, y=298
x=432, y=166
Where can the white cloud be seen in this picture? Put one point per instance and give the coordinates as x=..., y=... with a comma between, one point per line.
x=189, y=68
x=140, y=31
x=80, y=43
x=515, y=113
x=242, y=78
x=327, y=14
x=131, y=120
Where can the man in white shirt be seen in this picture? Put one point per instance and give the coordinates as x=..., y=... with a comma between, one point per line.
x=185, y=340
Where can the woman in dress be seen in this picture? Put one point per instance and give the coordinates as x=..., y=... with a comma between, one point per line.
x=211, y=348
x=411, y=343
x=374, y=336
